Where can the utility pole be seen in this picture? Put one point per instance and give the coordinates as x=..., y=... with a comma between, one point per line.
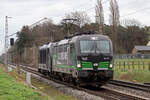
x=6, y=41
x=6, y=38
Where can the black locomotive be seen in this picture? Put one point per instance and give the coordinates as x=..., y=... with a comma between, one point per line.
x=85, y=59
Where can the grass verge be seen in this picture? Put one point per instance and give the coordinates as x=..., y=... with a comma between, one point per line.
x=135, y=70
x=48, y=92
x=10, y=89
x=133, y=75
x=51, y=91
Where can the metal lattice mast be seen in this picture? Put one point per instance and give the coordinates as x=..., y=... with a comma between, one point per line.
x=6, y=38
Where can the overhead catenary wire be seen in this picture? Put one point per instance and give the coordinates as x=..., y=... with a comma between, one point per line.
x=126, y=5
x=134, y=12
x=46, y=18
x=94, y=6
x=12, y=34
x=91, y=8
x=131, y=13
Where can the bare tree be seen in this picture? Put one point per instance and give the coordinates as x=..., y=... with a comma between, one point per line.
x=82, y=18
x=100, y=15
x=114, y=21
x=115, y=15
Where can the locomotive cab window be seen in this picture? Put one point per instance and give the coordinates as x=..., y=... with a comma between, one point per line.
x=94, y=46
x=102, y=46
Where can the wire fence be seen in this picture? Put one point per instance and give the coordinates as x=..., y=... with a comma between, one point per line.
x=132, y=56
x=135, y=65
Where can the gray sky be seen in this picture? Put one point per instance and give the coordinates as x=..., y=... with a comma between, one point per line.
x=27, y=12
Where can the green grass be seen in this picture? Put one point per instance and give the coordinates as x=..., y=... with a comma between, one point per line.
x=12, y=90
x=51, y=91
x=136, y=70
x=132, y=64
x=134, y=76
x=145, y=60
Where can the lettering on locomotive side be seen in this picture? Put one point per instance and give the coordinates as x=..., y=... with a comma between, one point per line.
x=62, y=57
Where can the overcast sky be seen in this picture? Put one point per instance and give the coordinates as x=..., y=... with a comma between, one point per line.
x=27, y=12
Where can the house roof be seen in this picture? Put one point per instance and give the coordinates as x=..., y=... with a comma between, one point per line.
x=142, y=48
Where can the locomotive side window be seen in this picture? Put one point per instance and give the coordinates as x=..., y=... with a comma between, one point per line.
x=42, y=56
x=72, y=54
x=65, y=48
x=55, y=50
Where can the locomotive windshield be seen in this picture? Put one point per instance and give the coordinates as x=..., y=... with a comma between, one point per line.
x=94, y=46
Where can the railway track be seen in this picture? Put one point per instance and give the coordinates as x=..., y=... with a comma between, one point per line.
x=137, y=86
x=101, y=92
x=147, y=84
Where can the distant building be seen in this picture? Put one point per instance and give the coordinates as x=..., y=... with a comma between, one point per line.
x=148, y=44
x=141, y=50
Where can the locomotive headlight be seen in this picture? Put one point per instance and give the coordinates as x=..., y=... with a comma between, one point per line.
x=95, y=64
x=111, y=65
x=79, y=64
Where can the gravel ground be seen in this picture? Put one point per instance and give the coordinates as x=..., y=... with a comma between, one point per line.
x=79, y=95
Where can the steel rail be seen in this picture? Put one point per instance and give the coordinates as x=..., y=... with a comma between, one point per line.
x=101, y=92
x=137, y=86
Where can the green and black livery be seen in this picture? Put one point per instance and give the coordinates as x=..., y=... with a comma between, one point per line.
x=85, y=58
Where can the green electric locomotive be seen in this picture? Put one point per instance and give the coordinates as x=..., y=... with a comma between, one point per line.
x=83, y=59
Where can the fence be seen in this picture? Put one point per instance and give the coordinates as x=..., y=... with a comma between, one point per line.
x=132, y=56
x=132, y=65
